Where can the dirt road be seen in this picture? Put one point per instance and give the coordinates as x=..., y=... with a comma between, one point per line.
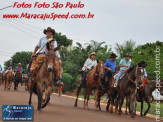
x=63, y=111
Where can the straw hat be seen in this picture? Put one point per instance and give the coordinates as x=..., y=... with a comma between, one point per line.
x=93, y=53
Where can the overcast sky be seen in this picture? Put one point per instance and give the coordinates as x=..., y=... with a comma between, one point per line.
x=114, y=22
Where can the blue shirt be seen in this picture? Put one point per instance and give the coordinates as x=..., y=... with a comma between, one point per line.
x=124, y=62
x=17, y=69
x=0, y=67
x=145, y=73
x=111, y=64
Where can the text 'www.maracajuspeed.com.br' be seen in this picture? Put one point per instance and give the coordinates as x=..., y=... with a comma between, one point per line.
x=52, y=16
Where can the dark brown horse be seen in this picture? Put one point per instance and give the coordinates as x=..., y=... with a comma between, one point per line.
x=18, y=78
x=93, y=82
x=43, y=80
x=126, y=87
x=146, y=95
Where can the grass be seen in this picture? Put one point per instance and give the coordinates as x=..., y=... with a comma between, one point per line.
x=145, y=106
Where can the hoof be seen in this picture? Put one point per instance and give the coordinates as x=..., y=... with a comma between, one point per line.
x=86, y=107
x=111, y=111
x=116, y=112
x=38, y=111
x=126, y=112
x=75, y=105
x=132, y=116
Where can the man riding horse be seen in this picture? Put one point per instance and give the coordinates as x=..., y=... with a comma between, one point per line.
x=44, y=44
x=124, y=65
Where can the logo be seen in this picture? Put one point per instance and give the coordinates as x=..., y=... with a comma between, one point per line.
x=17, y=112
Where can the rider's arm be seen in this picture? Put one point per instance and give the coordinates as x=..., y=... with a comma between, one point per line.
x=105, y=65
x=121, y=65
x=21, y=69
x=35, y=50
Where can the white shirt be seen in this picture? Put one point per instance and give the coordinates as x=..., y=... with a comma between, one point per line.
x=90, y=63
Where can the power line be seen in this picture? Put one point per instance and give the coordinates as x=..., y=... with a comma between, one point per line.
x=5, y=52
x=19, y=29
x=29, y=25
x=5, y=7
x=6, y=55
x=23, y=26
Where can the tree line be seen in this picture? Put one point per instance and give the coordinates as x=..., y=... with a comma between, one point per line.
x=72, y=61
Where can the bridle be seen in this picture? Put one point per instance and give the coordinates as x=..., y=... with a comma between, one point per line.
x=136, y=75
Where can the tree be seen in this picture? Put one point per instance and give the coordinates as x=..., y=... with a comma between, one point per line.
x=62, y=39
x=127, y=47
x=146, y=53
x=19, y=57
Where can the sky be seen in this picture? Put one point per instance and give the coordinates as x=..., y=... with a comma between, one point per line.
x=115, y=21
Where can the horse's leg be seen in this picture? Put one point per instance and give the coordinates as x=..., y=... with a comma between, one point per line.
x=96, y=98
x=132, y=97
x=141, y=112
x=77, y=94
x=49, y=92
x=108, y=104
x=39, y=96
x=120, y=105
x=99, y=99
x=112, y=103
x=30, y=97
x=135, y=106
x=87, y=97
x=126, y=105
x=149, y=106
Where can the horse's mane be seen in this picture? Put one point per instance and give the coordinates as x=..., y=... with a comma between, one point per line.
x=131, y=68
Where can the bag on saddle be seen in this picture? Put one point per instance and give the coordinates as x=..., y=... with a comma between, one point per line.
x=37, y=62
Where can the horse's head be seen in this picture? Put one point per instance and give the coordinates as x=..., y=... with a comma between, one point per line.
x=140, y=73
x=100, y=69
x=50, y=58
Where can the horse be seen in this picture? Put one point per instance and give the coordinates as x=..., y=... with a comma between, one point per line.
x=43, y=80
x=126, y=86
x=9, y=79
x=18, y=78
x=1, y=78
x=92, y=82
x=145, y=94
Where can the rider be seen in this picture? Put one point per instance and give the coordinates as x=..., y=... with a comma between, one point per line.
x=50, y=46
x=10, y=66
x=88, y=65
x=42, y=43
x=110, y=65
x=19, y=68
x=124, y=64
x=0, y=68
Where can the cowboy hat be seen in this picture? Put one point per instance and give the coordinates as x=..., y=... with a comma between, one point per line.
x=113, y=55
x=93, y=53
x=128, y=55
x=49, y=29
x=19, y=63
x=50, y=40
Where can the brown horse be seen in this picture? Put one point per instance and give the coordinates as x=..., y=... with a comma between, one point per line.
x=9, y=79
x=43, y=80
x=1, y=78
x=93, y=82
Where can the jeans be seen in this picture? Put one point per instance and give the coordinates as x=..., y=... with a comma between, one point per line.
x=30, y=63
x=119, y=75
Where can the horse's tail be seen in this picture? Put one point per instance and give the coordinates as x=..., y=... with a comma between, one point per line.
x=35, y=89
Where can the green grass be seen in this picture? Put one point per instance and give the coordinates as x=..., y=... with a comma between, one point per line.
x=145, y=106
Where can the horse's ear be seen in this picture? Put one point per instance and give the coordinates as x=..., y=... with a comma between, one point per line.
x=57, y=48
